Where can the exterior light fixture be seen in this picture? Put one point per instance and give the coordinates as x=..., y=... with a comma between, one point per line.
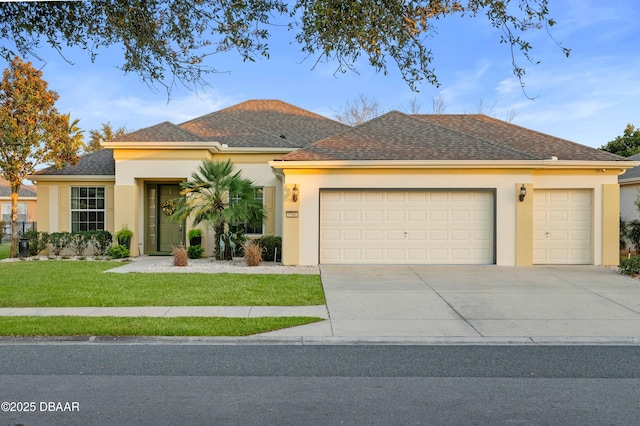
x=295, y=193
x=523, y=192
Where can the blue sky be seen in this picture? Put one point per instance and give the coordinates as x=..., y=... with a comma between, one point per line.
x=588, y=98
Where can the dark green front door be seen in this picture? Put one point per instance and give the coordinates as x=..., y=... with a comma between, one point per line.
x=170, y=234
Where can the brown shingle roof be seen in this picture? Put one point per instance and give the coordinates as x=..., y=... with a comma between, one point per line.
x=264, y=123
x=24, y=191
x=530, y=142
x=252, y=124
x=97, y=163
x=163, y=132
x=398, y=136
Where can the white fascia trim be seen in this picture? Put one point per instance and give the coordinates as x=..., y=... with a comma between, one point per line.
x=78, y=178
x=259, y=150
x=455, y=164
x=211, y=146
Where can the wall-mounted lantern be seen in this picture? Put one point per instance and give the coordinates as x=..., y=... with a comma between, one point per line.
x=295, y=193
x=523, y=192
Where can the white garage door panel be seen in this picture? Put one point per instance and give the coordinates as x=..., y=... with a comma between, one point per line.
x=437, y=227
x=562, y=226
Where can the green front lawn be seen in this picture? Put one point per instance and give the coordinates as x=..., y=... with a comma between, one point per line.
x=60, y=283
x=5, y=248
x=144, y=326
x=68, y=283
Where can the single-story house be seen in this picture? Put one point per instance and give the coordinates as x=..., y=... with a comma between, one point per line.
x=27, y=202
x=430, y=189
x=629, y=191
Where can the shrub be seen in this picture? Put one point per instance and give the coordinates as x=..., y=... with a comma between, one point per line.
x=252, y=253
x=59, y=241
x=37, y=241
x=624, y=230
x=179, y=256
x=195, y=252
x=79, y=242
x=101, y=240
x=630, y=266
x=271, y=244
x=633, y=233
x=118, y=252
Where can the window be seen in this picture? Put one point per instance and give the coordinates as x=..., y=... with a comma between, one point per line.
x=87, y=208
x=22, y=212
x=249, y=228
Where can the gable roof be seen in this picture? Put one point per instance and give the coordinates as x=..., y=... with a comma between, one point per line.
x=97, y=163
x=250, y=124
x=25, y=191
x=398, y=136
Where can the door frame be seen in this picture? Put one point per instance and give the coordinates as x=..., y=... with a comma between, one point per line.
x=152, y=211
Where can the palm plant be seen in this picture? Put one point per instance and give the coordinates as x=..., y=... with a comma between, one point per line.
x=217, y=196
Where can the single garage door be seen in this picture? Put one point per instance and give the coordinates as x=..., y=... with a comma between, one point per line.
x=562, y=226
x=427, y=227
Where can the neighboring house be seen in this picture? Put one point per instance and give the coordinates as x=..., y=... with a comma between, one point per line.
x=423, y=189
x=629, y=191
x=27, y=202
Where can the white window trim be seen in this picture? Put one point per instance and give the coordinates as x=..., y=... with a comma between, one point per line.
x=72, y=210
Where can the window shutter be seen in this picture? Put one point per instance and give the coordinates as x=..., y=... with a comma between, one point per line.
x=269, y=209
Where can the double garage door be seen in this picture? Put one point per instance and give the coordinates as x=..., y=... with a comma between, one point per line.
x=428, y=227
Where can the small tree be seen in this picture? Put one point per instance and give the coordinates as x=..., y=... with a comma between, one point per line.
x=219, y=197
x=105, y=134
x=32, y=131
x=359, y=110
x=626, y=145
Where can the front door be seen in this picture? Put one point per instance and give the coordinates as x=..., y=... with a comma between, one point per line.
x=170, y=234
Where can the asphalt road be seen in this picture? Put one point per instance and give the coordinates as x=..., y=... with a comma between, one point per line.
x=103, y=384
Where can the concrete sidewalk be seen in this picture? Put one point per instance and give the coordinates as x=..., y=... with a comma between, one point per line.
x=318, y=311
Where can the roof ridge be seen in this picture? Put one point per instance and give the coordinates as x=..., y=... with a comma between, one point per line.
x=123, y=137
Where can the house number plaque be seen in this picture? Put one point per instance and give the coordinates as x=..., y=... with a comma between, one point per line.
x=292, y=214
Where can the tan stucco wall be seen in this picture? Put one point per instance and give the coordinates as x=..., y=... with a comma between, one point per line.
x=524, y=226
x=610, y=224
x=136, y=167
x=53, y=204
x=514, y=223
x=32, y=207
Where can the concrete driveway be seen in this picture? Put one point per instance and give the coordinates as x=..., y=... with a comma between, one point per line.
x=565, y=302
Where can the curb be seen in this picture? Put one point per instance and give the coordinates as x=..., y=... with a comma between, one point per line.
x=322, y=341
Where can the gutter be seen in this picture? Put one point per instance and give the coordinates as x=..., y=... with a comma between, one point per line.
x=621, y=166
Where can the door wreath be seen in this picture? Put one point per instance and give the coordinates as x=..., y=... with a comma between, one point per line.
x=169, y=207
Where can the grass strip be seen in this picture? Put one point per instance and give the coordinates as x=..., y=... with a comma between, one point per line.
x=67, y=283
x=145, y=326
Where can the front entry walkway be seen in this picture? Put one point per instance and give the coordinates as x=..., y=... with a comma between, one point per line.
x=483, y=302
